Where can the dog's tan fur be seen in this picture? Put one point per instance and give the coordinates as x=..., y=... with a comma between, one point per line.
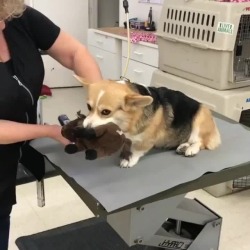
x=146, y=129
x=208, y=131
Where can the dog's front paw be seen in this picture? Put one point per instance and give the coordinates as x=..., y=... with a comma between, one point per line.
x=131, y=160
x=192, y=150
x=128, y=163
x=125, y=164
x=181, y=150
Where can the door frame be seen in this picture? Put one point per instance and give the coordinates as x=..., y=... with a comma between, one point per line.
x=93, y=10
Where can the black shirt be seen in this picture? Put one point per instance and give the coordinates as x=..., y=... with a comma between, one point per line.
x=21, y=81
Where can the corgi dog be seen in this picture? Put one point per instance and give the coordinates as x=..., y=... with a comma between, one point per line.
x=151, y=118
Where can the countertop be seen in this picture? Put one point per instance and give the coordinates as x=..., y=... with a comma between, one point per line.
x=121, y=33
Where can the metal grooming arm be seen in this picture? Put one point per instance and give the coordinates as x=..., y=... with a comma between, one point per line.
x=40, y=184
x=40, y=193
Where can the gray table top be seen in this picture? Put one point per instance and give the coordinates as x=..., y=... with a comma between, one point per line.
x=158, y=175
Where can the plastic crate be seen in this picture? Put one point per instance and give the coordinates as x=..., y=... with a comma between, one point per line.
x=207, y=42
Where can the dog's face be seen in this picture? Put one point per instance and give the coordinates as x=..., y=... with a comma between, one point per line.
x=109, y=101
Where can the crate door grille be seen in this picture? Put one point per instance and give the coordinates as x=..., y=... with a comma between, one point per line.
x=190, y=25
x=243, y=182
x=242, y=50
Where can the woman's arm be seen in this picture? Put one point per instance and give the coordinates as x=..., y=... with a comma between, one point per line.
x=75, y=56
x=12, y=132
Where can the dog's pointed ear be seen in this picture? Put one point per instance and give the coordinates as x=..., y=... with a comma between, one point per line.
x=82, y=80
x=138, y=100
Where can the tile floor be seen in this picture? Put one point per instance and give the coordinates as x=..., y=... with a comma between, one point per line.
x=63, y=206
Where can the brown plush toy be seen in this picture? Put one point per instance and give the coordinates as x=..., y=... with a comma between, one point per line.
x=97, y=142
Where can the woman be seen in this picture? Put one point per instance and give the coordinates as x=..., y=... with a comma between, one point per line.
x=23, y=33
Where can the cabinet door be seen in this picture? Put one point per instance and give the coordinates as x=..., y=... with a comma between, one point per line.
x=109, y=63
x=104, y=42
x=138, y=72
x=72, y=18
x=142, y=53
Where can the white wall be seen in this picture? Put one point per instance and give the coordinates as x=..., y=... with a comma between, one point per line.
x=139, y=10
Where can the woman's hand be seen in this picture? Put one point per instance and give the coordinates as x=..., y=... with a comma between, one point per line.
x=12, y=132
x=55, y=133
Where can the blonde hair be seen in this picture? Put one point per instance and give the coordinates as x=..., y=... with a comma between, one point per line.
x=11, y=8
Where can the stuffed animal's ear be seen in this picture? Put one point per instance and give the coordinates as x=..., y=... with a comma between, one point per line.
x=80, y=115
x=82, y=80
x=138, y=100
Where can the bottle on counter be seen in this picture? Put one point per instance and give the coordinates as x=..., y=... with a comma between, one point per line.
x=150, y=17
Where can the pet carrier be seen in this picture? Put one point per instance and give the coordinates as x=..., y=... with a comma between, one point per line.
x=204, y=51
x=207, y=42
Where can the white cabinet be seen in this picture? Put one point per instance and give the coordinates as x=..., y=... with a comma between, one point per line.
x=110, y=50
x=138, y=72
x=109, y=63
x=143, y=62
x=141, y=53
x=107, y=52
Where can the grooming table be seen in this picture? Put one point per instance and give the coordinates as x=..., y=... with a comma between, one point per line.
x=145, y=204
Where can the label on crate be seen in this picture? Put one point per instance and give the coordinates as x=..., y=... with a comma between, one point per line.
x=226, y=28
